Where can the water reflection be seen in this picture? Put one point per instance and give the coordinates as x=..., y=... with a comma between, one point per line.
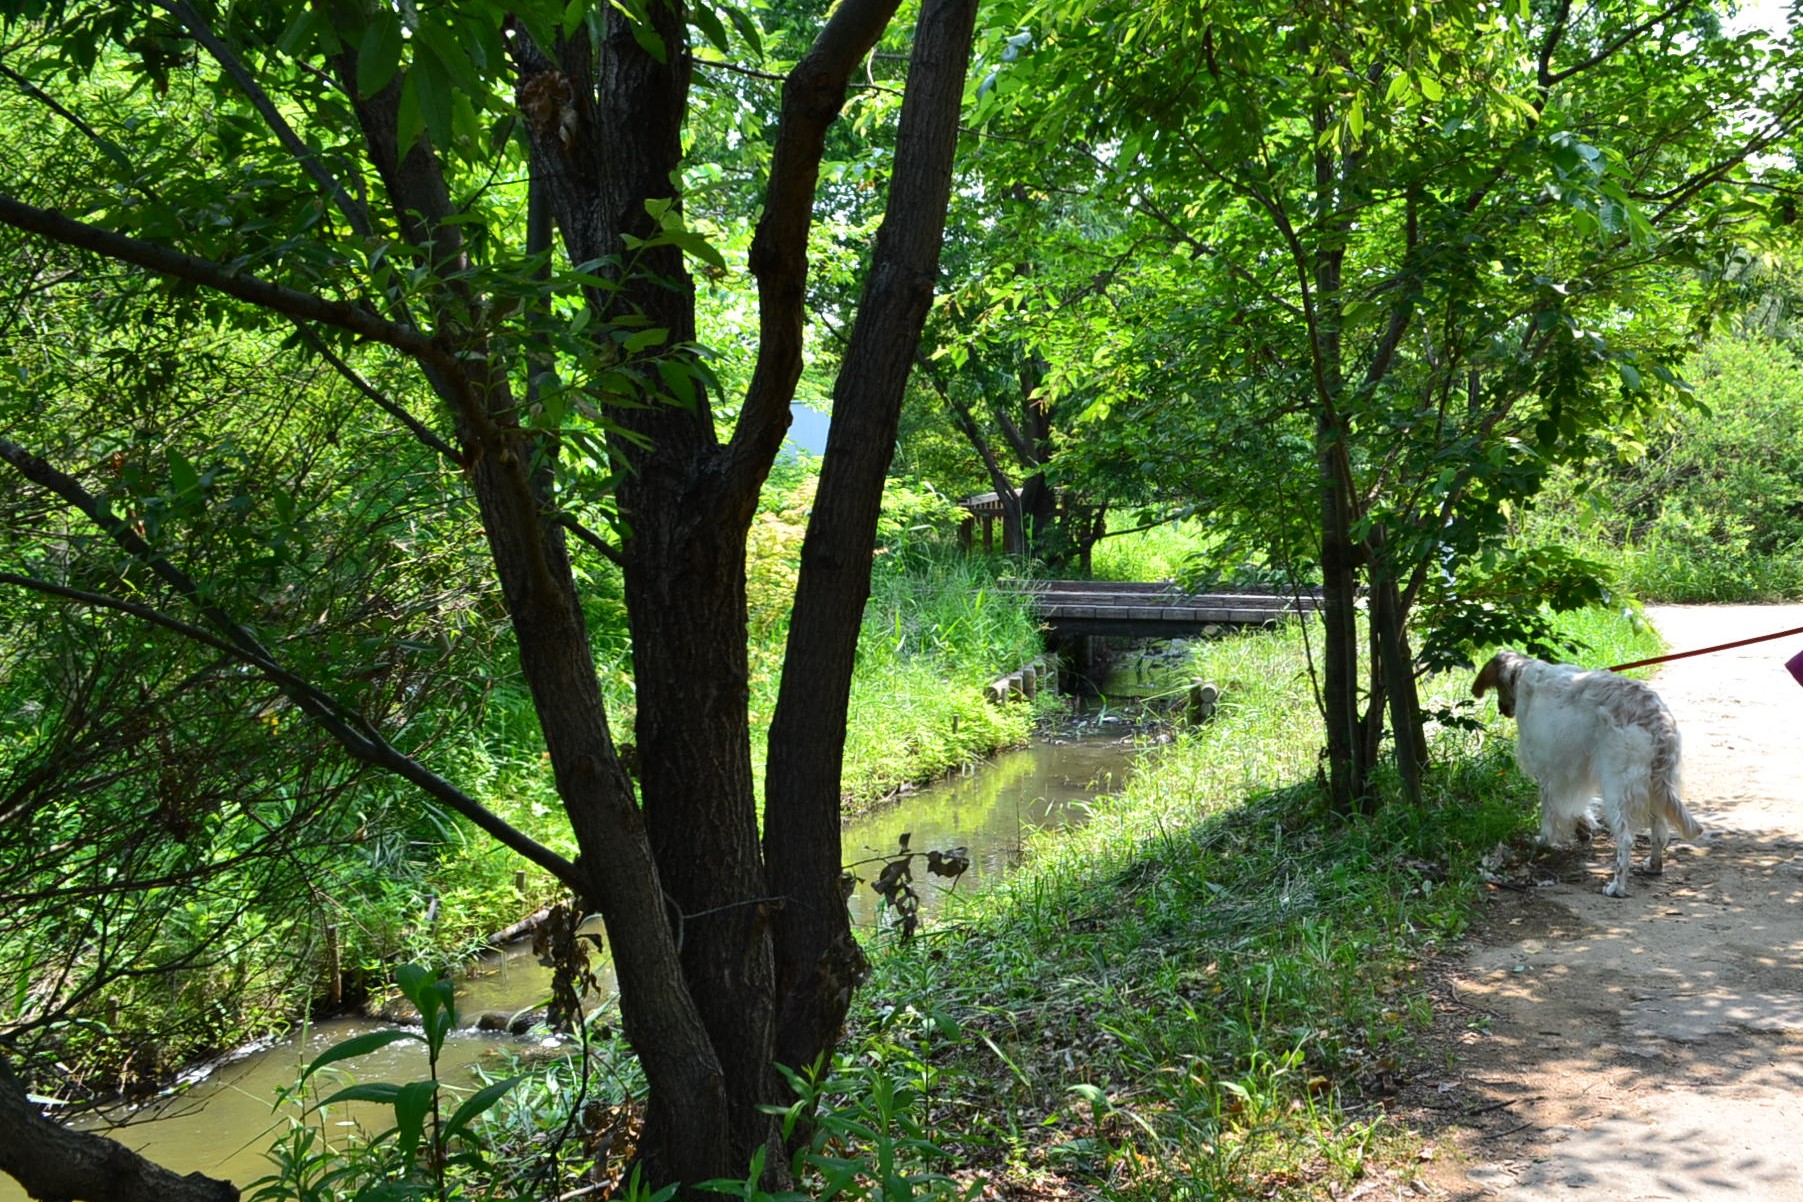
x=990, y=813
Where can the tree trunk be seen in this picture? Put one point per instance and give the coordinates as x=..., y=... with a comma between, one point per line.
x=818, y=961
x=54, y=1161
x=1399, y=683
x=1039, y=520
x=1339, y=612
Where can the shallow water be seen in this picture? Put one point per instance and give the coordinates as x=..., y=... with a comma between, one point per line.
x=221, y=1125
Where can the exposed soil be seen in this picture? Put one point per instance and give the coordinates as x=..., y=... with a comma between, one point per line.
x=1649, y=1047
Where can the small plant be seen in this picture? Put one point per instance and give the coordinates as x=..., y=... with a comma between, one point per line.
x=866, y=1140
x=412, y=1159
x=895, y=883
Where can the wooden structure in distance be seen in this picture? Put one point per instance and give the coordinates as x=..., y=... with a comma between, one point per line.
x=1155, y=611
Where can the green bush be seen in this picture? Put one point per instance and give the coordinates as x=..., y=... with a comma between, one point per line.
x=1713, y=511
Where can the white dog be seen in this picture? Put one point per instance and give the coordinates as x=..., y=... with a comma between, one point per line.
x=1583, y=735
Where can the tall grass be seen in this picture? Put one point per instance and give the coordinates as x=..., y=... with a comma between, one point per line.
x=936, y=631
x=1158, y=553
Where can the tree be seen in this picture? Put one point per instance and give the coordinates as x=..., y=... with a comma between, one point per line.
x=342, y=180
x=1023, y=342
x=1449, y=245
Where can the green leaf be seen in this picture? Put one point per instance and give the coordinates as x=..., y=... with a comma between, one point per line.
x=434, y=91
x=357, y=1045
x=412, y=1103
x=183, y=479
x=573, y=13
x=655, y=336
x=649, y=40
x=708, y=22
x=747, y=27
x=379, y=54
x=474, y=1105
x=679, y=381
x=450, y=55
x=297, y=39
x=375, y=1091
x=410, y=121
x=696, y=246
x=412, y=980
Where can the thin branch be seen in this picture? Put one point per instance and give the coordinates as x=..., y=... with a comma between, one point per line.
x=1549, y=79
x=1187, y=511
x=393, y=408
x=355, y=733
x=747, y=72
x=606, y=549
x=354, y=213
x=107, y=146
x=208, y=274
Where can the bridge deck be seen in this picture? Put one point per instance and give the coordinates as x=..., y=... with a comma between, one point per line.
x=1155, y=610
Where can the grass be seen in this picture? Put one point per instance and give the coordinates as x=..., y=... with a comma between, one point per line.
x=1205, y=991
x=936, y=632
x=1158, y=553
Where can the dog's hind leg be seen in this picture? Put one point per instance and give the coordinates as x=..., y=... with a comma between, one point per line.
x=1552, y=817
x=1614, y=813
x=1655, y=861
x=1548, y=838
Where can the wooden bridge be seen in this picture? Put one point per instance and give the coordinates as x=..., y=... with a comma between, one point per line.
x=1155, y=611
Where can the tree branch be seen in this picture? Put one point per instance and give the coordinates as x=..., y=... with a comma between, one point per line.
x=812, y=97
x=1550, y=78
x=355, y=733
x=394, y=409
x=107, y=146
x=607, y=550
x=54, y=1161
x=207, y=274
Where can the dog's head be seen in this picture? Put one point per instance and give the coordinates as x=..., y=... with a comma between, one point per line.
x=1500, y=674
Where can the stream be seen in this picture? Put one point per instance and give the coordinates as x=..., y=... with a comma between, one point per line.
x=221, y=1124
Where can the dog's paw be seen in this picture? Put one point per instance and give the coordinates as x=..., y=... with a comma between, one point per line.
x=1615, y=889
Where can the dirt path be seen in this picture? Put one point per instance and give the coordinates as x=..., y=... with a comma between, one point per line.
x=1652, y=1047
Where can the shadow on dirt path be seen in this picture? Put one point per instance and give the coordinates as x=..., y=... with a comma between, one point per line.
x=1650, y=1047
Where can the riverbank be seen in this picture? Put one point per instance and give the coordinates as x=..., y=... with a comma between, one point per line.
x=1210, y=989
x=1214, y=988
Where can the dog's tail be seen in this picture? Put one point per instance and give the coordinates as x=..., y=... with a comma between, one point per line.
x=1667, y=750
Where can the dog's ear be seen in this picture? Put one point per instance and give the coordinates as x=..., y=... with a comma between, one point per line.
x=1489, y=676
x=1499, y=674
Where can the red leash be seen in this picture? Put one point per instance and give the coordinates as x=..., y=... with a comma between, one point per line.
x=1660, y=659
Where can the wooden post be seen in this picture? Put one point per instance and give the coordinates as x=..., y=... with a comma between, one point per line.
x=334, y=968
x=1202, y=699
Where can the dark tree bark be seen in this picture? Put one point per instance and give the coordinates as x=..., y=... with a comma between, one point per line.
x=55, y=1162
x=817, y=960
x=1339, y=613
x=688, y=501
